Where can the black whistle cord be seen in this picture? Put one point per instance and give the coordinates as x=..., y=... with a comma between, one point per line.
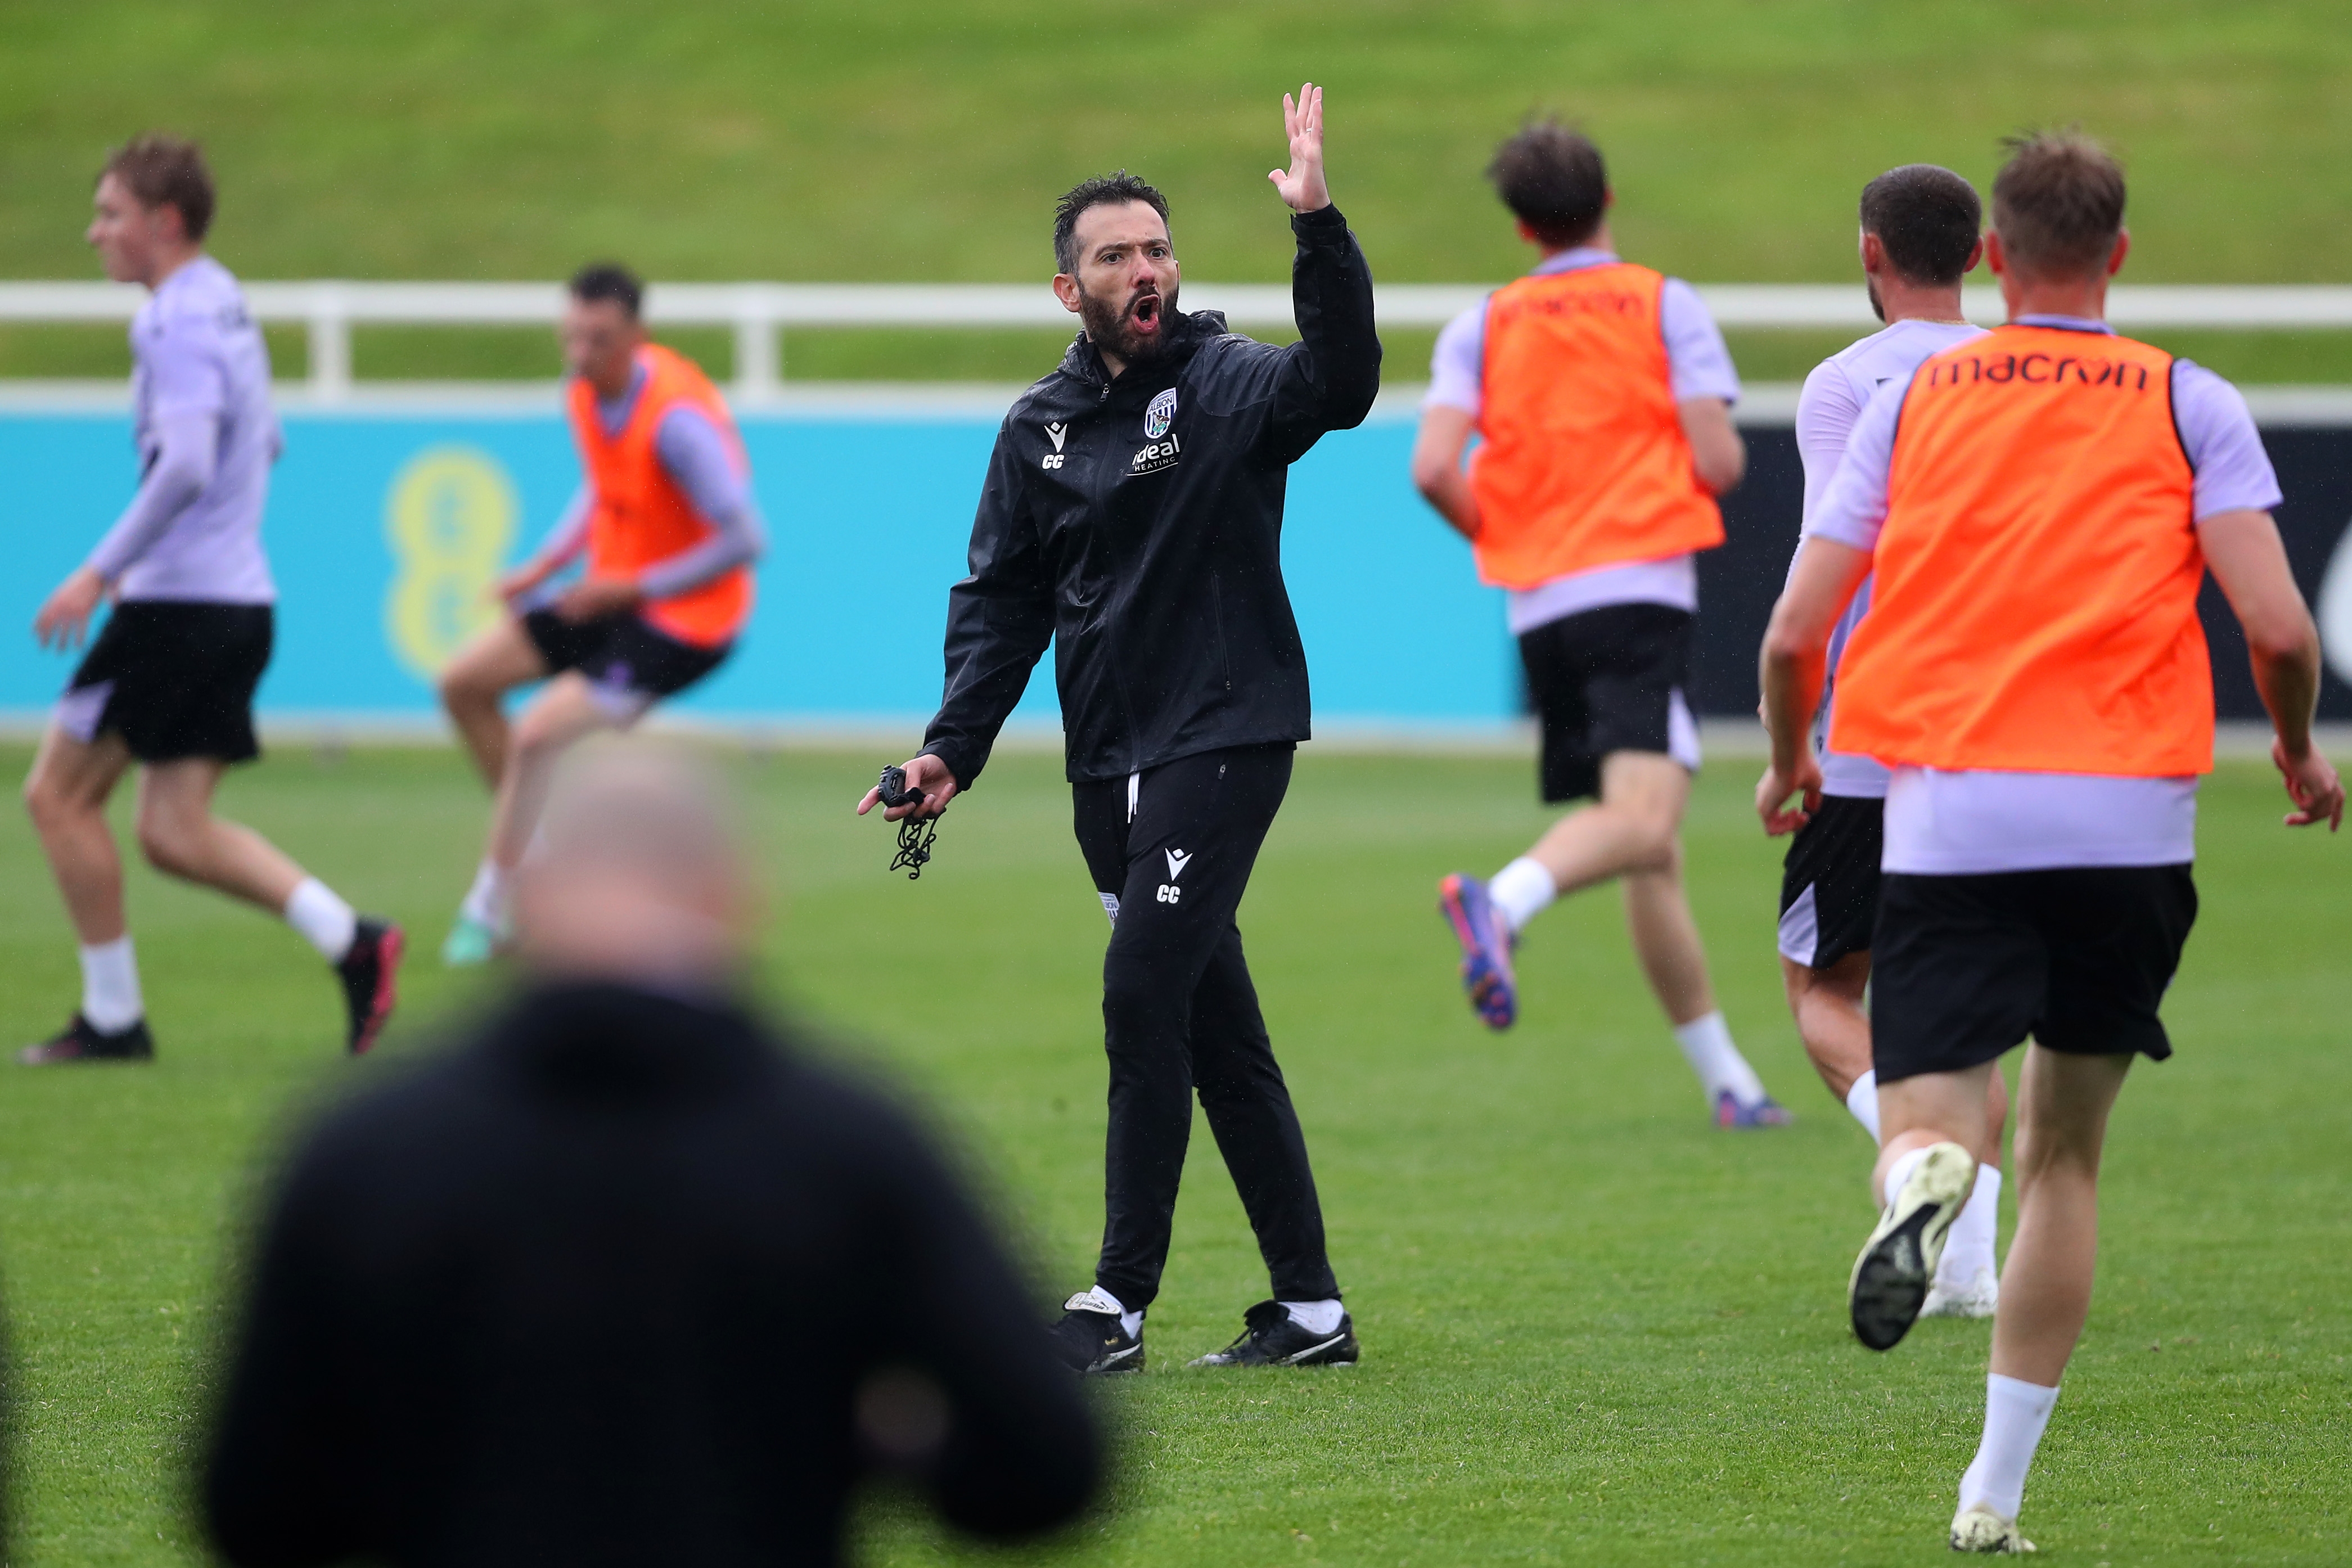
x=916, y=835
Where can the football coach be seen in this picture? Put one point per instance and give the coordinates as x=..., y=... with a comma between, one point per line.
x=1132, y=515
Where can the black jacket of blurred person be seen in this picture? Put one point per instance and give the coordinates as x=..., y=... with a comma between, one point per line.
x=622, y=1278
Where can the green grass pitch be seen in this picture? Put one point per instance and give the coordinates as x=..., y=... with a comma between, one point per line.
x=1596, y=1329
x=837, y=139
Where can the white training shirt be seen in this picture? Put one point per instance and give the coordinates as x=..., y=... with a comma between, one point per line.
x=1700, y=366
x=1832, y=401
x=1971, y=821
x=206, y=436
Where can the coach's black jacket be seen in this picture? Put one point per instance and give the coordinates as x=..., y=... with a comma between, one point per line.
x=607, y=1285
x=1146, y=541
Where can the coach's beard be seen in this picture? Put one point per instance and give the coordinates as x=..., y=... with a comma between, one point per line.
x=1877, y=305
x=1135, y=330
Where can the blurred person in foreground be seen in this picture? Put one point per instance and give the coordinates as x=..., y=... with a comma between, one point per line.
x=621, y=1279
x=2035, y=509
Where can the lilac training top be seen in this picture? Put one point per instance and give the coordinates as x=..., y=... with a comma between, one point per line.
x=206, y=436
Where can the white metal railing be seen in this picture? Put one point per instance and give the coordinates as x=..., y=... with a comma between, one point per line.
x=757, y=311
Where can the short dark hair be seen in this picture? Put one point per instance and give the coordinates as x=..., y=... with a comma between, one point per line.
x=1114, y=189
x=2058, y=203
x=1926, y=218
x=1552, y=179
x=609, y=281
x=166, y=170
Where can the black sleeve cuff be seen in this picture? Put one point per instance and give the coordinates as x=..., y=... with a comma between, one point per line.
x=1324, y=220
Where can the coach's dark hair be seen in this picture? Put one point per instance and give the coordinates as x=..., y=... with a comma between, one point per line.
x=1115, y=188
x=1552, y=179
x=1926, y=218
x=609, y=281
x=2058, y=203
x=166, y=170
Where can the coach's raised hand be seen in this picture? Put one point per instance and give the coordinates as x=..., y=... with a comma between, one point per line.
x=1301, y=184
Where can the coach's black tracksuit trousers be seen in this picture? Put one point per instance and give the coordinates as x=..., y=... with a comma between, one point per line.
x=1171, y=851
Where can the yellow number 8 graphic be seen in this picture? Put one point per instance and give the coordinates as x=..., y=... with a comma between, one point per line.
x=449, y=518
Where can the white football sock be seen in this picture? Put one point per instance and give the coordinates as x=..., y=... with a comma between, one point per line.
x=1863, y=1100
x=1707, y=1043
x=1315, y=1316
x=1900, y=1171
x=1970, y=1251
x=2016, y=1413
x=110, y=987
x=325, y=921
x=1521, y=890
x=485, y=900
x=1098, y=1299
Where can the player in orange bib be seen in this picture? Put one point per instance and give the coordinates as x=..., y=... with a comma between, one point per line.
x=2039, y=506
x=1602, y=392
x=667, y=523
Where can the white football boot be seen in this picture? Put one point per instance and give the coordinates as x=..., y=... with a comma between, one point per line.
x=1979, y=1528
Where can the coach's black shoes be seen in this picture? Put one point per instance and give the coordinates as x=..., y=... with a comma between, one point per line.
x=1090, y=1338
x=1272, y=1337
x=370, y=976
x=83, y=1042
x=1891, y=1277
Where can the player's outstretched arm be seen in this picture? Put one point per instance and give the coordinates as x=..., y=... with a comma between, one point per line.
x=1301, y=185
x=2249, y=560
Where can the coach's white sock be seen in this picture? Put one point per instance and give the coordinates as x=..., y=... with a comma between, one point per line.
x=1315, y=1316
x=1101, y=1300
x=2016, y=1413
x=1863, y=1100
x=325, y=921
x=1707, y=1043
x=1521, y=890
x=110, y=987
x=1969, y=1250
x=485, y=900
x=1900, y=1171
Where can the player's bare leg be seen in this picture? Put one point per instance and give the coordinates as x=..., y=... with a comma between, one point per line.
x=1631, y=833
x=1666, y=939
x=474, y=687
x=1630, y=828
x=1828, y=1007
x=66, y=796
x=181, y=837
x=568, y=708
x=2062, y=1106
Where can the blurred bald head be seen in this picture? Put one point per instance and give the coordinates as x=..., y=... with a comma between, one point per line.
x=638, y=871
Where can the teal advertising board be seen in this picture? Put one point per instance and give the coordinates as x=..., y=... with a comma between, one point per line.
x=383, y=531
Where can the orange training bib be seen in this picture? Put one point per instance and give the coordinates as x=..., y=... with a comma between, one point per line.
x=2034, y=607
x=1585, y=463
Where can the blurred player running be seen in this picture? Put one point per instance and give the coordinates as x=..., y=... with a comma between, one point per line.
x=2040, y=506
x=169, y=682
x=1604, y=393
x=667, y=520
x=1919, y=227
